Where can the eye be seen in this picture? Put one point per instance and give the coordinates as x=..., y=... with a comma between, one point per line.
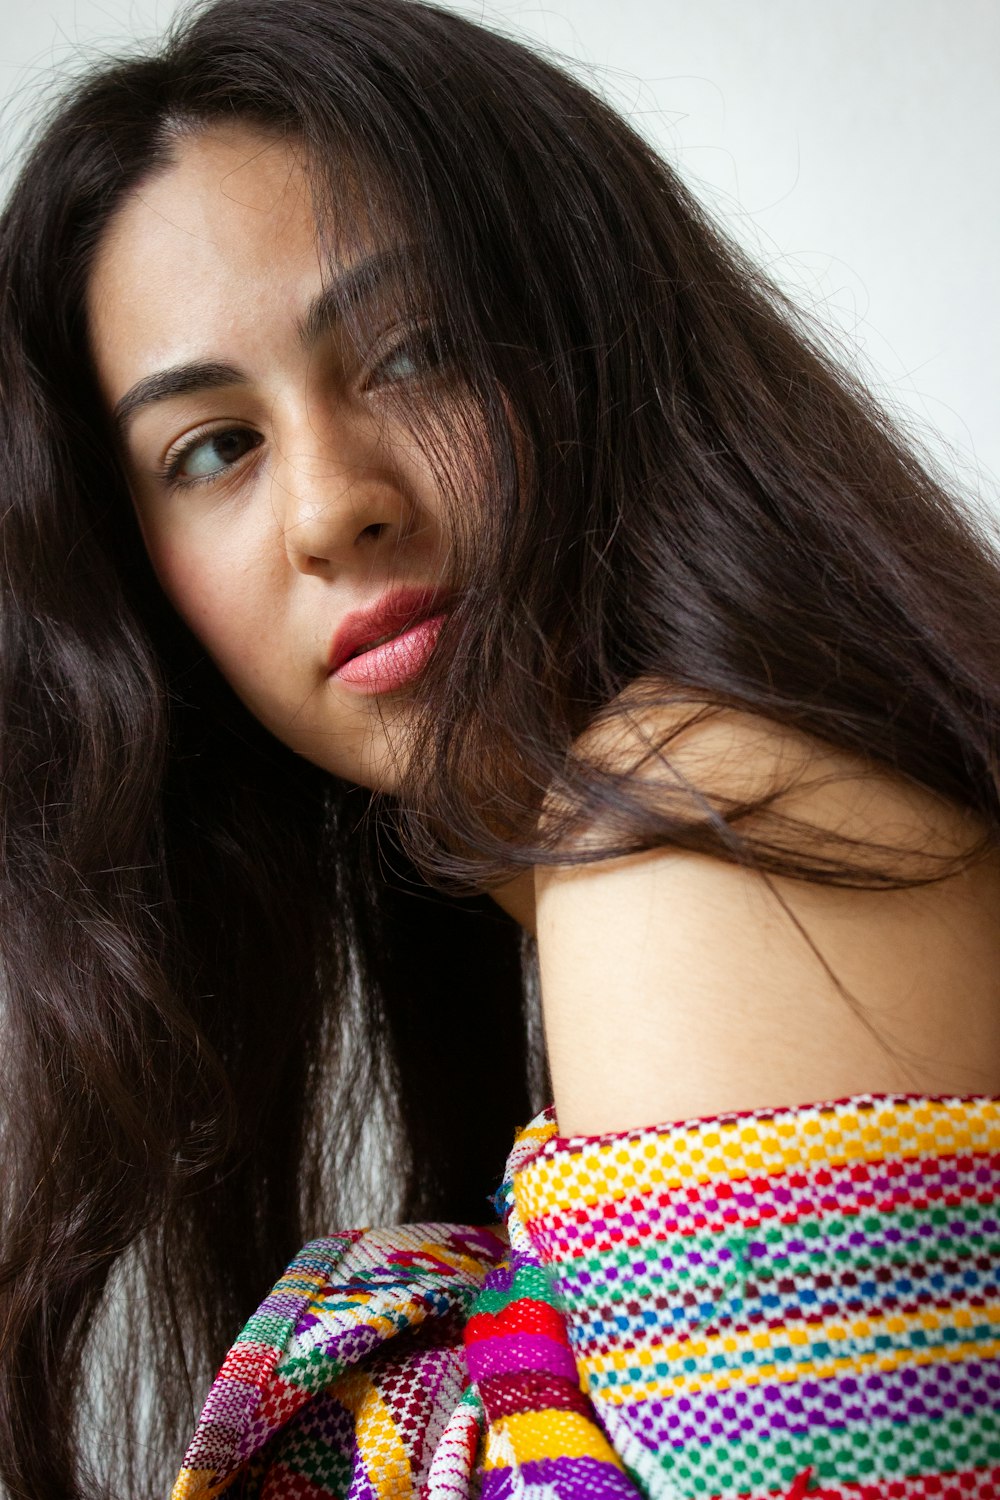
x=208, y=457
x=414, y=357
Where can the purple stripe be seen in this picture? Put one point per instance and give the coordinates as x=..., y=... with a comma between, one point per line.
x=514, y=1352
x=566, y=1478
x=337, y=1347
x=361, y=1486
x=286, y=1302
x=915, y=1393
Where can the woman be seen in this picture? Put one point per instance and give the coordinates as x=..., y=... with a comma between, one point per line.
x=439, y=569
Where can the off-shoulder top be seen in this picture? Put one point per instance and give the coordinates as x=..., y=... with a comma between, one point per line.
x=793, y=1302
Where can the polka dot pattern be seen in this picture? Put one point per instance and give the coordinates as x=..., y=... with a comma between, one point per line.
x=797, y=1304
x=803, y=1292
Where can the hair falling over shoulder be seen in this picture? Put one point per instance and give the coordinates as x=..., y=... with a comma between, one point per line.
x=217, y=961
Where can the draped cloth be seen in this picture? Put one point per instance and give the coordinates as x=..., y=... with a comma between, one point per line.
x=780, y=1303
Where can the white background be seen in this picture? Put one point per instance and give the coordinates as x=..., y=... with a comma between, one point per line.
x=851, y=144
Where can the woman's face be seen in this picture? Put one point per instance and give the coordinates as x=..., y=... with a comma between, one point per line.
x=289, y=517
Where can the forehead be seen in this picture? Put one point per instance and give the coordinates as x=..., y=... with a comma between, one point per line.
x=203, y=253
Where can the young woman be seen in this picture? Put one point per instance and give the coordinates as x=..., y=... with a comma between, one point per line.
x=441, y=577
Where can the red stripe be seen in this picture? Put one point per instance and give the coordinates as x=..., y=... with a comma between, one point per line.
x=964, y=1484
x=523, y=1316
x=531, y=1391
x=853, y=1198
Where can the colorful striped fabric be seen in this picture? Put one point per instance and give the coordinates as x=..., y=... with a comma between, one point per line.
x=349, y=1378
x=789, y=1303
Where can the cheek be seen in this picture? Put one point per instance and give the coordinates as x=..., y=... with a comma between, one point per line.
x=221, y=596
x=187, y=577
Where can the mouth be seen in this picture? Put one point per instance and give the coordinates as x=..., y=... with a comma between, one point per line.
x=387, y=645
x=371, y=645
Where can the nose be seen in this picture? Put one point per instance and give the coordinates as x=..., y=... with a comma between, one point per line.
x=333, y=512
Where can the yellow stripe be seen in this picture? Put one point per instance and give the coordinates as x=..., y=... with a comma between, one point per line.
x=546, y=1434
x=539, y=1134
x=469, y=1265
x=664, y=1387
x=196, y=1484
x=385, y=1459
x=796, y=1335
x=668, y=1158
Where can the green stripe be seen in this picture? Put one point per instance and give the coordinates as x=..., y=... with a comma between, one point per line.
x=268, y=1328
x=867, y=1452
x=530, y=1283
x=835, y=1253
x=310, y=1458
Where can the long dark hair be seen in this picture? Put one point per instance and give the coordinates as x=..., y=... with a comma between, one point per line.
x=220, y=964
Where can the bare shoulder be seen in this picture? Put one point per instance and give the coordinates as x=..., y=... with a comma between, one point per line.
x=699, y=754
x=676, y=984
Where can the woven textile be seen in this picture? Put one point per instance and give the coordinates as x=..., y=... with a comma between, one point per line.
x=344, y=1379
x=789, y=1303
x=796, y=1298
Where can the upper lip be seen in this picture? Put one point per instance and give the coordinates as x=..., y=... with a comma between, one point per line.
x=390, y=615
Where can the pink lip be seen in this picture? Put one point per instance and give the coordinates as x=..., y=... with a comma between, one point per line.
x=396, y=662
x=412, y=617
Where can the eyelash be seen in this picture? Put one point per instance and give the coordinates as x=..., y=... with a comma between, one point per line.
x=424, y=337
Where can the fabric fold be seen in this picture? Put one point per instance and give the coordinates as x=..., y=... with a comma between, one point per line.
x=789, y=1304
x=346, y=1366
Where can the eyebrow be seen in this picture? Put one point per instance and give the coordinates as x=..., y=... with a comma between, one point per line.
x=179, y=380
x=353, y=284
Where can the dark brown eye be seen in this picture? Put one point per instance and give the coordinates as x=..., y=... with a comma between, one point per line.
x=209, y=456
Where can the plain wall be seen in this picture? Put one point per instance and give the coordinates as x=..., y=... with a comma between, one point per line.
x=851, y=145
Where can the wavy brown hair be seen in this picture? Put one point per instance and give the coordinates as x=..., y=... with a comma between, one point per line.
x=215, y=956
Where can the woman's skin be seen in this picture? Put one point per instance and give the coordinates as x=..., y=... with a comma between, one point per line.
x=672, y=984
x=316, y=504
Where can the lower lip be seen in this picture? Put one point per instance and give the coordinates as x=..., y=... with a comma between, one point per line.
x=395, y=663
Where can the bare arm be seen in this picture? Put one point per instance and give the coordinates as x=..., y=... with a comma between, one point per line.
x=676, y=985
